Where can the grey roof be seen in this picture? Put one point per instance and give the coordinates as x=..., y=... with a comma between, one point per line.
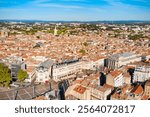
x=126, y=54
x=66, y=62
x=47, y=63
x=25, y=93
x=117, y=56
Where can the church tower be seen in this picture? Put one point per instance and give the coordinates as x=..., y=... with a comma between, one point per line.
x=55, y=31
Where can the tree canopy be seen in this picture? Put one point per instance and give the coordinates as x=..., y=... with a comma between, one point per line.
x=135, y=37
x=22, y=75
x=85, y=44
x=82, y=51
x=5, y=75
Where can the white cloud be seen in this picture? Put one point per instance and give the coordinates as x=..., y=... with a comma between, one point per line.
x=47, y=3
x=60, y=6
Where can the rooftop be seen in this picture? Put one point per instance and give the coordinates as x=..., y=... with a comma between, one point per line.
x=138, y=89
x=148, y=83
x=47, y=64
x=80, y=89
x=115, y=73
x=126, y=54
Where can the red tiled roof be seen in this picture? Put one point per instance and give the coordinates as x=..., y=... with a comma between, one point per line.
x=126, y=75
x=138, y=89
x=145, y=97
x=115, y=73
x=80, y=89
x=108, y=86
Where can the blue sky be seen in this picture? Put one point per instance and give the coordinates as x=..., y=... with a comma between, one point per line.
x=75, y=10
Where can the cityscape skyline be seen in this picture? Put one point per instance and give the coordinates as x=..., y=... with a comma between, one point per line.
x=75, y=50
x=75, y=10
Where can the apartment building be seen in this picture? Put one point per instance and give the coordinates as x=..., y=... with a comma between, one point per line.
x=147, y=89
x=115, y=78
x=58, y=70
x=127, y=78
x=128, y=92
x=93, y=64
x=141, y=73
x=99, y=93
x=87, y=89
x=81, y=92
x=78, y=92
x=66, y=69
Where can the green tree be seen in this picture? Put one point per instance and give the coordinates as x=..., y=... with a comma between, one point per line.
x=38, y=37
x=85, y=44
x=5, y=76
x=82, y=51
x=22, y=75
x=135, y=36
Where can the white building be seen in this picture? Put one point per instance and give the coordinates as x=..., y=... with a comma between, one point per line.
x=141, y=73
x=66, y=69
x=93, y=64
x=43, y=71
x=117, y=60
x=31, y=76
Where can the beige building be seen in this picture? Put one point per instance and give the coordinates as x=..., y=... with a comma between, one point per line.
x=147, y=89
x=99, y=93
x=128, y=92
x=127, y=78
x=4, y=33
x=87, y=89
x=78, y=92
x=115, y=78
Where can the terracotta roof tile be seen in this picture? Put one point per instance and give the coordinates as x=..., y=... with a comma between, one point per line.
x=145, y=97
x=138, y=89
x=80, y=89
x=115, y=73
